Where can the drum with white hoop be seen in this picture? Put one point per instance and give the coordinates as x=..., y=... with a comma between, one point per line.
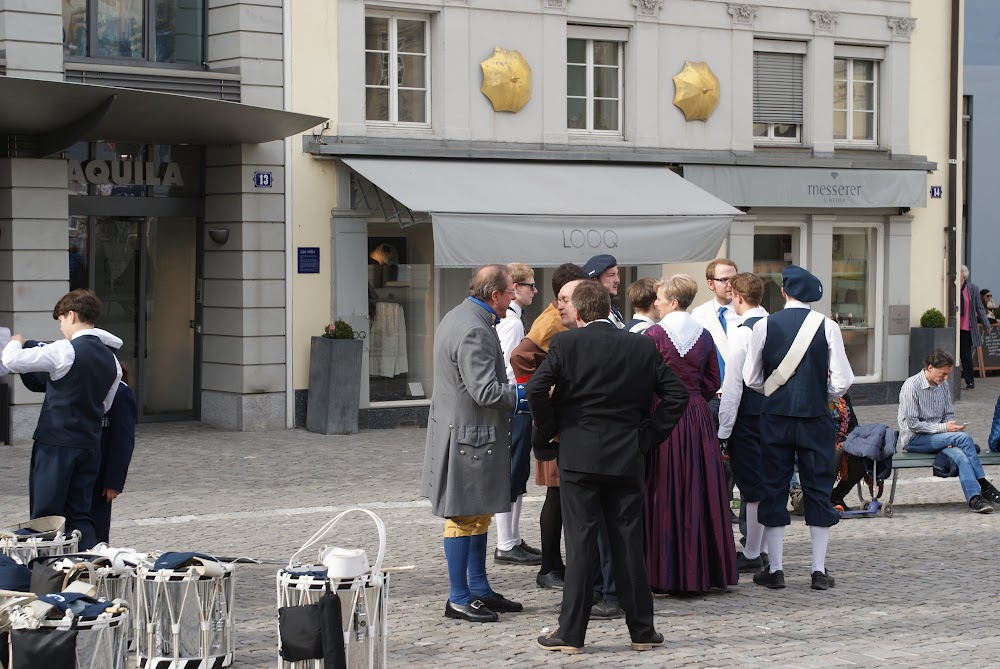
x=185, y=617
x=38, y=537
x=363, y=591
x=100, y=641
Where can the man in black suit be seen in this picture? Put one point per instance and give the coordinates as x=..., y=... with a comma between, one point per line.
x=599, y=414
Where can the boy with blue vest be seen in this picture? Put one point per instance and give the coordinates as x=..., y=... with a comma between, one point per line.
x=83, y=376
x=790, y=353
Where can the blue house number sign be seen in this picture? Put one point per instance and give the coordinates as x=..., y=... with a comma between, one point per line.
x=935, y=191
x=262, y=179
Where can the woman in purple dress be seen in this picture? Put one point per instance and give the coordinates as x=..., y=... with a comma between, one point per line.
x=689, y=541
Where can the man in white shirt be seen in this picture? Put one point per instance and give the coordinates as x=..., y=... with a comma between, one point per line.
x=718, y=316
x=83, y=377
x=739, y=419
x=797, y=359
x=511, y=548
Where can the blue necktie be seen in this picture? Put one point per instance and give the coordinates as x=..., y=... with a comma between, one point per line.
x=722, y=361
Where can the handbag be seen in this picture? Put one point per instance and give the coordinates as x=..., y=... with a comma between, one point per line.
x=49, y=647
x=46, y=580
x=314, y=632
x=944, y=467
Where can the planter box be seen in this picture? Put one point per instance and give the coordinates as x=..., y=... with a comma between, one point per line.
x=334, y=385
x=925, y=340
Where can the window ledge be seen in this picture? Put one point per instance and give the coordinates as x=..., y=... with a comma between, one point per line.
x=149, y=69
x=390, y=130
x=587, y=137
x=867, y=148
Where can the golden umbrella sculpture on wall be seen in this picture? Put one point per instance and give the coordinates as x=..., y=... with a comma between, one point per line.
x=506, y=80
x=697, y=91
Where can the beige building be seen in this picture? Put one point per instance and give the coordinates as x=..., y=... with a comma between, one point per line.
x=831, y=127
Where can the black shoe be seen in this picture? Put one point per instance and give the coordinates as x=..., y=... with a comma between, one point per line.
x=990, y=493
x=553, y=580
x=773, y=580
x=516, y=555
x=821, y=580
x=970, y=386
x=979, y=505
x=500, y=604
x=552, y=642
x=606, y=610
x=530, y=549
x=745, y=564
x=654, y=640
x=475, y=612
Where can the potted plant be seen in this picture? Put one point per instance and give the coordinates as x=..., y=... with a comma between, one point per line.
x=932, y=334
x=334, y=381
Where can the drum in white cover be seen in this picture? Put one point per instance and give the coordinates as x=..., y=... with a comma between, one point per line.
x=38, y=537
x=363, y=592
x=185, y=617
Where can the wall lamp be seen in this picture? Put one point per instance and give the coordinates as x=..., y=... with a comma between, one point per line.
x=219, y=235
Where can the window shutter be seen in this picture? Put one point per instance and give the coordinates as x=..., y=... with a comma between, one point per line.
x=777, y=87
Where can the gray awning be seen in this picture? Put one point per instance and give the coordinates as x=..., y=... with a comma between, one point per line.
x=61, y=113
x=811, y=187
x=545, y=214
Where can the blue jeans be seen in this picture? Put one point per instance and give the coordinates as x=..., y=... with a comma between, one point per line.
x=962, y=453
x=994, y=440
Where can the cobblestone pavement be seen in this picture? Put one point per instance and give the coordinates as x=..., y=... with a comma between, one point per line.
x=917, y=590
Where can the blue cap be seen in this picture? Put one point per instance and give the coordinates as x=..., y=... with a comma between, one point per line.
x=799, y=284
x=596, y=265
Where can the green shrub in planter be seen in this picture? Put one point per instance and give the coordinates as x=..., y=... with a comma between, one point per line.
x=341, y=330
x=932, y=318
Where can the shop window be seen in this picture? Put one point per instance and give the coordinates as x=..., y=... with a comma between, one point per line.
x=777, y=97
x=773, y=251
x=594, y=86
x=158, y=31
x=397, y=69
x=852, y=295
x=855, y=96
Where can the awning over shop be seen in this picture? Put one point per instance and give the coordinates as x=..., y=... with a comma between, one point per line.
x=811, y=187
x=545, y=214
x=61, y=113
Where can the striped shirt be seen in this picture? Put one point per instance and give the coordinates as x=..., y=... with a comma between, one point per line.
x=923, y=408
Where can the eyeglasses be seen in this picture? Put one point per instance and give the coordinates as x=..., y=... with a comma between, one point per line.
x=721, y=279
x=526, y=284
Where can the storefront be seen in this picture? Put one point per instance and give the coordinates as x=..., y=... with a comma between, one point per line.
x=850, y=227
x=416, y=228
x=134, y=194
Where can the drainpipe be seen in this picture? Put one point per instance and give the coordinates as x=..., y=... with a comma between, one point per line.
x=953, y=194
x=286, y=64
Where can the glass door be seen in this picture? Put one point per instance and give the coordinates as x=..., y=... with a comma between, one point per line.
x=143, y=269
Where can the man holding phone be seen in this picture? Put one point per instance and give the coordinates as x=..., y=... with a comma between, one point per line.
x=927, y=425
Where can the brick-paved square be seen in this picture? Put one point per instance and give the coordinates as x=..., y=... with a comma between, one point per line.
x=917, y=590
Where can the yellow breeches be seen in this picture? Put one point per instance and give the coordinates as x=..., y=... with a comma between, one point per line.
x=466, y=526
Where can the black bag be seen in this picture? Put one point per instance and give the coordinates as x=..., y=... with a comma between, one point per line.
x=45, y=580
x=299, y=628
x=49, y=647
x=332, y=622
x=944, y=467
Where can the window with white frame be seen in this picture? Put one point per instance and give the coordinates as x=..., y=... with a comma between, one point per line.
x=397, y=69
x=777, y=96
x=855, y=101
x=594, y=84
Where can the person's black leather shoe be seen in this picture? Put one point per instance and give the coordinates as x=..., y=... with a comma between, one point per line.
x=821, y=580
x=979, y=505
x=475, y=612
x=970, y=386
x=516, y=555
x=551, y=641
x=655, y=640
x=745, y=564
x=606, y=610
x=990, y=493
x=553, y=580
x=530, y=549
x=500, y=604
x=775, y=580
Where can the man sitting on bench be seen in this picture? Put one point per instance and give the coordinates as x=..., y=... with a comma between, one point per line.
x=927, y=425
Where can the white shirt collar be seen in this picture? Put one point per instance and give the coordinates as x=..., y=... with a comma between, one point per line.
x=719, y=305
x=795, y=304
x=81, y=333
x=516, y=308
x=600, y=320
x=682, y=330
x=640, y=317
x=753, y=313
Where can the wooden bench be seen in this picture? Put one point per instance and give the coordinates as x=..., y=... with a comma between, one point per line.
x=908, y=460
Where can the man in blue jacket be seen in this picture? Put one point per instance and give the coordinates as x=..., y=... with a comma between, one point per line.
x=83, y=377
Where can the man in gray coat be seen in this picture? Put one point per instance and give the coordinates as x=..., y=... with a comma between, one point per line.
x=467, y=461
